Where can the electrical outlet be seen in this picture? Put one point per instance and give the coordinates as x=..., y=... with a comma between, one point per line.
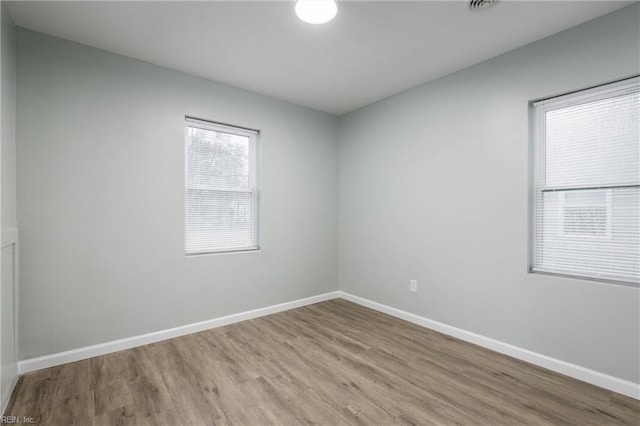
x=413, y=286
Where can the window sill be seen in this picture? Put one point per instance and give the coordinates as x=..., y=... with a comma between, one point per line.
x=586, y=278
x=220, y=253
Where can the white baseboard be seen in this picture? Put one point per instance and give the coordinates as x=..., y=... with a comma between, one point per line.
x=9, y=237
x=73, y=355
x=6, y=395
x=596, y=378
x=602, y=380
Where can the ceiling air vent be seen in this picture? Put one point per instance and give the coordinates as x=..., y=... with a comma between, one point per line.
x=480, y=4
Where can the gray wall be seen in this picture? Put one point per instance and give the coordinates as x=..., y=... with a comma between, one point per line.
x=8, y=354
x=434, y=187
x=101, y=199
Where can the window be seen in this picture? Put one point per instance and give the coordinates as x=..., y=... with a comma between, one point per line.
x=586, y=183
x=221, y=212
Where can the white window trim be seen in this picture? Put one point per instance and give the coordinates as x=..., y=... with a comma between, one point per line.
x=253, y=135
x=538, y=110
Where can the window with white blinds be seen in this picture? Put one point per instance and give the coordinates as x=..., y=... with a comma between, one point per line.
x=221, y=212
x=586, y=201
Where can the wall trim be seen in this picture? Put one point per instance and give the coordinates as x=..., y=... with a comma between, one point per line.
x=9, y=237
x=593, y=377
x=587, y=375
x=6, y=394
x=79, y=354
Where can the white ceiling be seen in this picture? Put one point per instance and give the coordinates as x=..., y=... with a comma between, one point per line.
x=372, y=49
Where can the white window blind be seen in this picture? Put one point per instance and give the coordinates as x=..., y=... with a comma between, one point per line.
x=586, y=212
x=221, y=212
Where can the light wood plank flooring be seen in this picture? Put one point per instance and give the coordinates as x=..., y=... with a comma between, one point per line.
x=331, y=363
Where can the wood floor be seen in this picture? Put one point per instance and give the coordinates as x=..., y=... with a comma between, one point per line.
x=331, y=363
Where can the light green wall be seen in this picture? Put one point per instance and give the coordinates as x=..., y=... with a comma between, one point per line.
x=433, y=187
x=101, y=199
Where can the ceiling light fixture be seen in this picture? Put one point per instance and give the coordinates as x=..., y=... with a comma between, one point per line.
x=481, y=4
x=316, y=11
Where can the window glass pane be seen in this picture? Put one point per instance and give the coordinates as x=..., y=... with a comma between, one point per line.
x=593, y=234
x=218, y=220
x=217, y=160
x=594, y=143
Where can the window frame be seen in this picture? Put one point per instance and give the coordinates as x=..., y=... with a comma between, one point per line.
x=254, y=156
x=537, y=135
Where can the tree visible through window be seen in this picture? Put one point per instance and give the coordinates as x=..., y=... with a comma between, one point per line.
x=586, y=210
x=221, y=212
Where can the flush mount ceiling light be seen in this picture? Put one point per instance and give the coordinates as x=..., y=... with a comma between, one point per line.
x=316, y=11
